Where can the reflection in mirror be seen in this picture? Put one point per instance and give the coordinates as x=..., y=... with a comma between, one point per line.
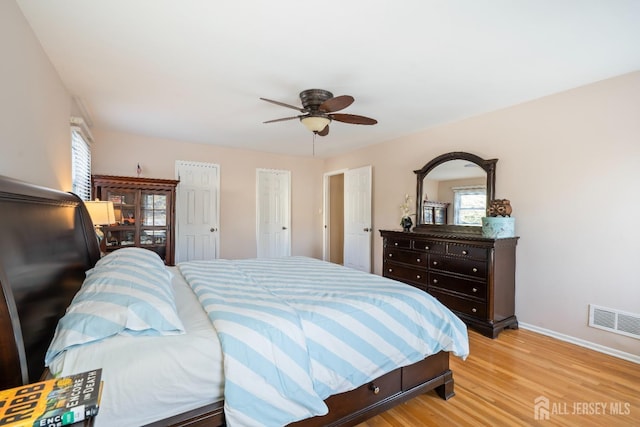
x=455, y=192
x=454, y=189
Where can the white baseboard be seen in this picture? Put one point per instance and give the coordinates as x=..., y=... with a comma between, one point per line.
x=582, y=343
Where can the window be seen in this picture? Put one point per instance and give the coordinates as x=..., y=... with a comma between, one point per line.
x=80, y=164
x=469, y=205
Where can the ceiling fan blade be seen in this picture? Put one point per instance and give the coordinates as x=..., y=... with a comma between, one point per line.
x=325, y=131
x=282, y=104
x=336, y=104
x=353, y=119
x=282, y=120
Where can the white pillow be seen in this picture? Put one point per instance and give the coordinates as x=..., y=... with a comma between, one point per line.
x=118, y=299
x=134, y=255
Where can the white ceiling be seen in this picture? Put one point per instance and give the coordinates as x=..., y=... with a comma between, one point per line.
x=193, y=70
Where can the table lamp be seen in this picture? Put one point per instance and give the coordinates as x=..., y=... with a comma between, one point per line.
x=101, y=213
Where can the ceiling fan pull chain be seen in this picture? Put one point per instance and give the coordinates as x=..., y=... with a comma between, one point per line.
x=313, y=150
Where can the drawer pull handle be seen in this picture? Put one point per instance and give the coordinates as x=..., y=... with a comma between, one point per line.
x=426, y=247
x=465, y=253
x=391, y=270
x=475, y=270
x=374, y=388
x=418, y=260
x=435, y=262
x=474, y=310
x=435, y=281
x=390, y=255
x=417, y=276
x=395, y=244
x=475, y=289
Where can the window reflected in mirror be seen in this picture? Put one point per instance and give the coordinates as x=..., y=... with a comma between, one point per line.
x=455, y=192
x=469, y=205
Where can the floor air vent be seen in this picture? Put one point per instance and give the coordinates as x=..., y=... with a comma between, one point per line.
x=615, y=321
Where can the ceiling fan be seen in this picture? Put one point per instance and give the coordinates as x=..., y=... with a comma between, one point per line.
x=319, y=109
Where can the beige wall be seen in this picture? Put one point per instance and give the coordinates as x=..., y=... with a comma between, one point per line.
x=118, y=154
x=570, y=164
x=34, y=107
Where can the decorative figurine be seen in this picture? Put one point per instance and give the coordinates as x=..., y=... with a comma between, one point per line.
x=499, y=207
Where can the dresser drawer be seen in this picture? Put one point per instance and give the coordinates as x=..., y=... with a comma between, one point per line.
x=429, y=246
x=468, y=267
x=405, y=273
x=414, y=258
x=400, y=243
x=468, y=287
x=462, y=305
x=467, y=251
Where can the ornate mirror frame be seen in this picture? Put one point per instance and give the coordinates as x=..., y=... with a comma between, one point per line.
x=489, y=166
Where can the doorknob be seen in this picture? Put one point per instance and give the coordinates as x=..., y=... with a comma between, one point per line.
x=284, y=228
x=213, y=229
x=366, y=229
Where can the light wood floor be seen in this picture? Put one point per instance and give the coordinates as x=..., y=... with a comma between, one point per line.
x=500, y=380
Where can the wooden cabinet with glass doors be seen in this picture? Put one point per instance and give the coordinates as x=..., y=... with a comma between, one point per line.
x=145, y=212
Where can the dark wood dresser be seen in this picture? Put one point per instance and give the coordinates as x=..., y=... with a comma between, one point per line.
x=472, y=275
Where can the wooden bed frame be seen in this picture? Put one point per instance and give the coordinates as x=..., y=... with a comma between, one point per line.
x=47, y=242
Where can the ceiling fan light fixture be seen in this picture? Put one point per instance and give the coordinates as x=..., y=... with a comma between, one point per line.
x=315, y=123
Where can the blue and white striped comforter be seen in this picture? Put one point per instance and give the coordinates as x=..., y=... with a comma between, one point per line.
x=296, y=330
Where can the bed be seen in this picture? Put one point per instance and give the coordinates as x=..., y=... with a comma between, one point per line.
x=48, y=245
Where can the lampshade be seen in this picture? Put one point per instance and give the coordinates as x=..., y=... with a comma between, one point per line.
x=315, y=123
x=101, y=213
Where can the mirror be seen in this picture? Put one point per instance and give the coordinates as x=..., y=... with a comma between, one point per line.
x=454, y=189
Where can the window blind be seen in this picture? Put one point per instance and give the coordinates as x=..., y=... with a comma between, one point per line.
x=80, y=164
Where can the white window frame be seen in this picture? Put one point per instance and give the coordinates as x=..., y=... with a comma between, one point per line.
x=458, y=193
x=80, y=159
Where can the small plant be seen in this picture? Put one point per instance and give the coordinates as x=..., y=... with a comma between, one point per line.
x=405, y=208
x=405, y=212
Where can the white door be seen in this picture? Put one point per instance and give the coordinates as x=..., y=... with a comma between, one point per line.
x=273, y=217
x=197, y=211
x=357, y=218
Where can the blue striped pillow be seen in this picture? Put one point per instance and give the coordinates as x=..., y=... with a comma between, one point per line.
x=118, y=299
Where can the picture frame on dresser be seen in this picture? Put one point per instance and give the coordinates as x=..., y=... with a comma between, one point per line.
x=428, y=216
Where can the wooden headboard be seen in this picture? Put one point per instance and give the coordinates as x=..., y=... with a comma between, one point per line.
x=47, y=242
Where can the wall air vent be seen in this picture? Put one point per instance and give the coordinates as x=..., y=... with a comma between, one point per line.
x=615, y=321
